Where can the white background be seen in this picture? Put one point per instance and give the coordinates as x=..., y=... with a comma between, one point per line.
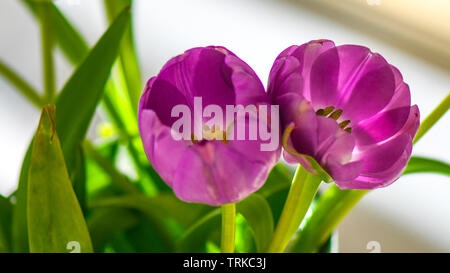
x=413, y=214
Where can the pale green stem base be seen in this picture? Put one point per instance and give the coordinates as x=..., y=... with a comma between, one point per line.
x=328, y=213
x=301, y=194
x=228, y=228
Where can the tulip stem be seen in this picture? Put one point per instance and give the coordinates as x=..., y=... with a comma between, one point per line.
x=228, y=227
x=432, y=118
x=301, y=194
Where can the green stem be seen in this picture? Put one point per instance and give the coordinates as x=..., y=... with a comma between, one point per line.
x=301, y=194
x=228, y=227
x=432, y=118
x=328, y=213
x=47, y=43
x=21, y=85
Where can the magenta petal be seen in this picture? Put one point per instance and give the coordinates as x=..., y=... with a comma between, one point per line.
x=412, y=124
x=371, y=94
x=286, y=68
x=212, y=79
x=335, y=151
x=248, y=88
x=381, y=126
x=161, y=96
x=216, y=175
x=294, y=109
x=384, y=162
x=161, y=149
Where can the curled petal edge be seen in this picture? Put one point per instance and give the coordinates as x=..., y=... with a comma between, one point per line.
x=314, y=166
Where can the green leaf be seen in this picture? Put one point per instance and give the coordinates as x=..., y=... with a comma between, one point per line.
x=20, y=84
x=419, y=164
x=257, y=212
x=54, y=214
x=75, y=48
x=194, y=240
x=79, y=178
x=279, y=179
x=276, y=189
x=105, y=223
x=6, y=209
x=159, y=207
x=128, y=59
x=80, y=96
x=77, y=103
x=20, y=228
x=164, y=215
x=146, y=237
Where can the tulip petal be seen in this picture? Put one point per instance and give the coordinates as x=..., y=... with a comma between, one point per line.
x=161, y=96
x=163, y=152
x=216, y=175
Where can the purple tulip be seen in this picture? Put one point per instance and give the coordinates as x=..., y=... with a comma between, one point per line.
x=213, y=171
x=345, y=108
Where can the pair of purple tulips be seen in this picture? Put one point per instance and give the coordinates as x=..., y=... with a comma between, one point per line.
x=342, y=108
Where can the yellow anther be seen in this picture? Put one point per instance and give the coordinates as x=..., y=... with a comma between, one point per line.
x=336, y=114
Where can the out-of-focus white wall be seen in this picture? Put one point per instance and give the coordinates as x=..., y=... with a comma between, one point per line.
x=410, y=215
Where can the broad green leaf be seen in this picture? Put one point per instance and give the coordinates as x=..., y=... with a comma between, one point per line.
x=159, y=207
x=80, y=96
x=54, y=214
x=276, y=189
x=105, y=223
x=419, y=164
x=146, y=237
x=194, y=240
x=75, y=47
x=78, y=178
x=20, y=228
x=160, y=212
x=77, y=103
x=279, y=179
x=6, y=209
x=259, y=218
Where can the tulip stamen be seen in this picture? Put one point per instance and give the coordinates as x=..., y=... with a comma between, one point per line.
x=344, y=124
x=336, y=114
x=214, y=134
x=328, y=110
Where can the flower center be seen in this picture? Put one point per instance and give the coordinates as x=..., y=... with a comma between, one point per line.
x=330, y=112
x=210, y=134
